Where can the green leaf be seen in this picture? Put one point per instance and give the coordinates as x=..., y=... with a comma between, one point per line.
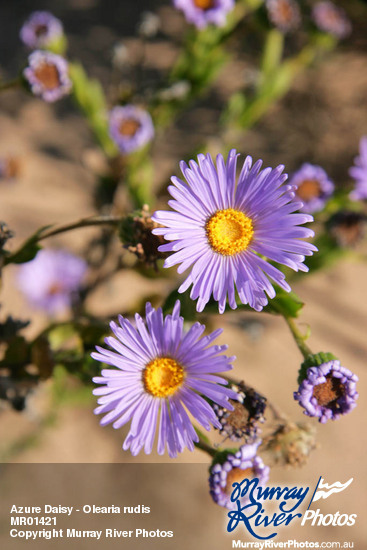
x=28, y=250
x=285, y=303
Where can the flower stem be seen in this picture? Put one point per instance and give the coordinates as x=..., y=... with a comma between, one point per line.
x=85, y=222
x=10, y=84
x=299, y=338
x=205, y=447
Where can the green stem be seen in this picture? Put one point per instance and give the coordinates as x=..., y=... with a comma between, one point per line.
x=277, y=83
x=85, y=222
x=272, y=54
x=298, y=337
x=205, y=447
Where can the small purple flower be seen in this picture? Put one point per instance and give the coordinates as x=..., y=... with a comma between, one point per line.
x=204, y=12
x=328, y=391
x=312, y=186
x=284, y=14
x=161, y=374
x=244, y=464
x=48, y=75
x=51, y=279
x=359, y=172
x=226, y=231
x=40, y=30
x=130, y=128
x=331, y=19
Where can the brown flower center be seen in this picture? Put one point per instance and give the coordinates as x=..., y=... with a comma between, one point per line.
x=239, y=417
x=308, y=189
x=285, y=10
x=204, y=4
x=40, y=30
x=129, y=127
x=55, y=288
x=236, y=475
x=329, y=392
x=48, y=75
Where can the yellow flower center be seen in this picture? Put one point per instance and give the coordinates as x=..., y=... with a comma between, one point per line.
x=162, y=376
x=229, y=231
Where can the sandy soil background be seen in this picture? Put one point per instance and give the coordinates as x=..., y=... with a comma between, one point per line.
x=321, y=121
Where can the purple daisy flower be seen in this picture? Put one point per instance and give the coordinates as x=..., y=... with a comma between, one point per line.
x=41, y=29
x=244, y=464
x=224, y=230
x=284, y=14
x=204, y=12
x=312, y=186
x=328, y=391
x=331, y=19
x=48, y=75
x=51, y=279
x=359, y=172
x=161, y=371
x=130, y=128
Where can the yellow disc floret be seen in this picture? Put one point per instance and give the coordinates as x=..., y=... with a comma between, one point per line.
x=229, y=231
x=163, y=376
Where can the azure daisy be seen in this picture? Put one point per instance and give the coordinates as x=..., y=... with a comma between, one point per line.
x=161, y=375
x=312, y=186
x=52, y=279
x=359, y=172
x=41, y=29
x=225, y=477
x=130, y=128
x=328, y=391
x=48, y=75
x=227, y=232
x=205, y=12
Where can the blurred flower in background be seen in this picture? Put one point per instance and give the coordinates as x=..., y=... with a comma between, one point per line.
x=313, y=187
x=359, y=172
x=40, y=30
x=284, y=14
x=130, y=128
x=204, y=12
x=245, y=463
x=48, y=75
x=328, y=391
x=51, y=280
x=161, y=372
x=331, y=19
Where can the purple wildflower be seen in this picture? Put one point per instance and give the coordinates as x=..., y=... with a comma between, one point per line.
x=130, y=128
x=224, y=230
x=244, y=464
x=312, y=186
x=331, y=19
x=204, y=12
x=284, y=14
x=161, y=372
x=51, y=279
x=40, y=30
x=328, y=391
x=47, y=75
x=359, y=172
